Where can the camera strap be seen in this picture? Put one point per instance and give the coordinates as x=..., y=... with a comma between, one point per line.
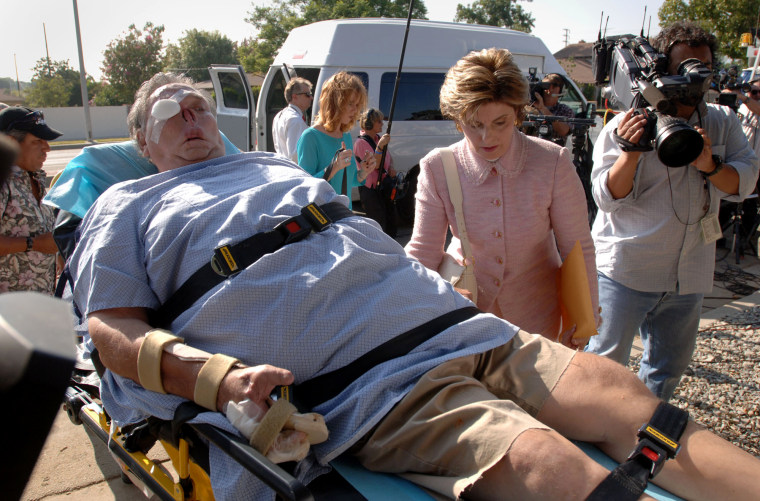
x=626, y=145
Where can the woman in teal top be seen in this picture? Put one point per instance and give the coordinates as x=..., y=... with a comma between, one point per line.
x=322, y=149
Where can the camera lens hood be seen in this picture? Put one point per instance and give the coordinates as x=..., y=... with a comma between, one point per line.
x=677, y=143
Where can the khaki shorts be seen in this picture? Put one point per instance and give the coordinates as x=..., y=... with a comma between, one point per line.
x=462, y=417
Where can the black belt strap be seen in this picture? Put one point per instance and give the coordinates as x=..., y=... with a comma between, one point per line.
x=229, y=260
x=315, y=391
x=658, y=441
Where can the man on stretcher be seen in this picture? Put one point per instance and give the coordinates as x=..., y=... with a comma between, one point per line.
x=250, y=257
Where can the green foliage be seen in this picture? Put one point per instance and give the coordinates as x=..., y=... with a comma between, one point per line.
x=129, y=61
x=496, y=13
x=727, y=19
x=275, y=22
x=54, y=83
x=197, y=50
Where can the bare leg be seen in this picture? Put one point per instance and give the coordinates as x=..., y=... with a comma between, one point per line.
x=540, y=465
x=601, y=402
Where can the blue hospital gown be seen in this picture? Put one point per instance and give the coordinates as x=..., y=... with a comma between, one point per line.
x=310, y=307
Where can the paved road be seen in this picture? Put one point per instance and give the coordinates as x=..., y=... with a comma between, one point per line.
x=57, y=160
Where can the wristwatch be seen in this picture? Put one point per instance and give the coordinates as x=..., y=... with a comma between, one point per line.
x=718, y=161
x=29, y=244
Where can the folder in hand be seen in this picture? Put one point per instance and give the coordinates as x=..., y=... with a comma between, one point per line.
x=575, y=295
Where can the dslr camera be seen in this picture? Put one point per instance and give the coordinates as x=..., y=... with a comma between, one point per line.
x=638, y=78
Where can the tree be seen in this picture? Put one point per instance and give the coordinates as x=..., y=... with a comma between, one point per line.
x=130, y=60
x=197, y=50
x=727, y=19
x=55, y=83
x=275, y=22
x=496, y=13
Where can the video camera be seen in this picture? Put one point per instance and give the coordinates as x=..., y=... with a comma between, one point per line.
x=541, y=125
x=638, y=78
x=536, y=86
x=729, y=79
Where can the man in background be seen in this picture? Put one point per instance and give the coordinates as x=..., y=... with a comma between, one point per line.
x=290, y=122
x=547, y=103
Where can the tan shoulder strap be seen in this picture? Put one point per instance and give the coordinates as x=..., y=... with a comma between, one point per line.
x=455, y=193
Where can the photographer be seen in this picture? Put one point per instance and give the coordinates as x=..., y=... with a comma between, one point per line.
x=656, y=228
x=547, y=103
x=749, y=112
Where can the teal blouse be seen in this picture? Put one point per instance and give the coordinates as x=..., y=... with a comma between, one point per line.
x=315, y=152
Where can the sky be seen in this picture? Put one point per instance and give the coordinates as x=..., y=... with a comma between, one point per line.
x=23, y=35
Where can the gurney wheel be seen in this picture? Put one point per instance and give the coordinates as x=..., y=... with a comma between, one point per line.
x=125, y=478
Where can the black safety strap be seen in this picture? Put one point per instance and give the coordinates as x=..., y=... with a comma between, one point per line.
x=658, y=441
x=229, y=260
x=315, y=391
x=626, y=145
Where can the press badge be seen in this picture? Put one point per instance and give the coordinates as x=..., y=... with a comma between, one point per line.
x=711, y=231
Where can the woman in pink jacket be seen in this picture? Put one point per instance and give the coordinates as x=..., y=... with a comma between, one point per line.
x=523, y=203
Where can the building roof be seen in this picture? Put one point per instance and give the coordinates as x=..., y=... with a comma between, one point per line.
x=576, y=61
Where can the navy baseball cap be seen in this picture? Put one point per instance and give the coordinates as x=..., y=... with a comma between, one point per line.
x=27, y=120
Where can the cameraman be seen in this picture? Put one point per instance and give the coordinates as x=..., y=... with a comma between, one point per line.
x=656, y=228
x=547, y=103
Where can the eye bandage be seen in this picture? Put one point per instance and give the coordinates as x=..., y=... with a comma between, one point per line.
x=165, y=108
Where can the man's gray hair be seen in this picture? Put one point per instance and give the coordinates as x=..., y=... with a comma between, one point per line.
x=296, y=85
x=139, y=111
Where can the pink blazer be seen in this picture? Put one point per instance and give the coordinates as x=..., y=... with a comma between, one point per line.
x=523, y=216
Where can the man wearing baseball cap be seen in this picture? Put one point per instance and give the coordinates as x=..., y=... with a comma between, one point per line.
x=27, y=249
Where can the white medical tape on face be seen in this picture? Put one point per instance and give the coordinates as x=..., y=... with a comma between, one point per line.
x=165, y=108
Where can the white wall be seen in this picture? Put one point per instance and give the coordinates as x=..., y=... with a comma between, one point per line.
x=107, y=122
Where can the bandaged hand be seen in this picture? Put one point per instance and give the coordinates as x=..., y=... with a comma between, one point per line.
x=252, y=383
x=278, y=432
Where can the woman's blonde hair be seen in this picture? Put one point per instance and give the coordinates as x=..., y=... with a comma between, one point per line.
x=481, y=77
x=336, y=93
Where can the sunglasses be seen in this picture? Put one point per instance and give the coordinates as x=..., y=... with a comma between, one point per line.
x=307, y=94
x=755, y=92
x=31, y=118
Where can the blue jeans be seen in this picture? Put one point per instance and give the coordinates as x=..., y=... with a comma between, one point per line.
x=667, y=323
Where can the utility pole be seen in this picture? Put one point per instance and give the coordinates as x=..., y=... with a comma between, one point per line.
x=47, y=52
x=567, y=35
x=83, y=77
x=18, y=85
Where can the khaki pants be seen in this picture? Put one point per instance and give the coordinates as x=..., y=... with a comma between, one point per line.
x=462, y=417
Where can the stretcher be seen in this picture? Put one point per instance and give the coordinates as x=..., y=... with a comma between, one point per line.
x=186, y=443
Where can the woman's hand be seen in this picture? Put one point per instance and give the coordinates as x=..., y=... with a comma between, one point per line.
x=383, y=142
x=366, y=166
x=254, y=383
x=566, y=338
x=340, y=161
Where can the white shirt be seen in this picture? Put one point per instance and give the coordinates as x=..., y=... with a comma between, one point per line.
x=750, y=123
x=287, y=127
x=650, y=240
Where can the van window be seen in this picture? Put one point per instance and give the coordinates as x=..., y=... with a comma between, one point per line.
x=418, y=96
x=573, y=100
x=233, y=92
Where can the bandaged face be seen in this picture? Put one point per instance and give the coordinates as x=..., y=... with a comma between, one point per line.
x=180, y=128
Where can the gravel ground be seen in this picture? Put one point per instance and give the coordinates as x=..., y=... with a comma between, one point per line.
x=721, y=387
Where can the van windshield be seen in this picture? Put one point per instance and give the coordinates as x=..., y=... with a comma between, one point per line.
x=418, y=96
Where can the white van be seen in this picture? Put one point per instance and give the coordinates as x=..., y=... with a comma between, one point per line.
x=370, y=48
